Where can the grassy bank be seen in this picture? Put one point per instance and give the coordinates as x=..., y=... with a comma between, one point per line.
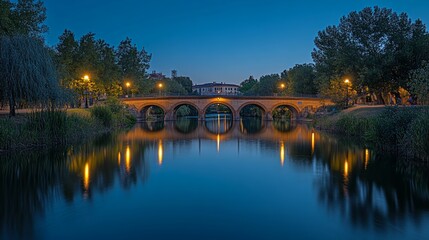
x=401, y=129
x=53, y=127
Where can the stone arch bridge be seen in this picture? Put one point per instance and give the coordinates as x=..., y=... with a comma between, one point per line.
x=169, y=104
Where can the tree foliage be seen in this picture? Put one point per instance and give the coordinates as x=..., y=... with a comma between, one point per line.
x=267, y=85
x=26, y=17
x=133, y=63
x=109, y=68
x=27, y=72
x=300, y=79
x=419, y=84
x=186, y=83
x=376, y=48
x=247, y=85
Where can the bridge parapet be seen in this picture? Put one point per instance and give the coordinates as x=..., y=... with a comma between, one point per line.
x=299, y=106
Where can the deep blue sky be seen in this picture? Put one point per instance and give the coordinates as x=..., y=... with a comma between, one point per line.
x=214, y=40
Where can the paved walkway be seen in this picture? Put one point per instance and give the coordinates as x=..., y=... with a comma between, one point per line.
x=356, y=107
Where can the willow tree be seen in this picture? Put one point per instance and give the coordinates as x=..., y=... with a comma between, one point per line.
x=27, y=73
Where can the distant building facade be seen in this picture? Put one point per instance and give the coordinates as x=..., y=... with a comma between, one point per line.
x=216, y=89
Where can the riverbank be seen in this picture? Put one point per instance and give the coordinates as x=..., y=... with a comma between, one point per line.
x=387, y=128
x=46, y=128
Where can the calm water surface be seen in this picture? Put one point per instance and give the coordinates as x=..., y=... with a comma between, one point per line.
x=213, y=180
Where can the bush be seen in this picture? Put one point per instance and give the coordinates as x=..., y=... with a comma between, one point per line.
x=103, y=114
x=396, y=128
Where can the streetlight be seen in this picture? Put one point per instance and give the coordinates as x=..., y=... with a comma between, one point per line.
x=160, y=87
x=282, y=87
x=128, y=84
x=86, y=80
x=347, y=81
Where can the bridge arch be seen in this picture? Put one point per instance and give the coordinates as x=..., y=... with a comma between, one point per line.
x=144, y=107
x=233, y=110
x=179, y=104
x=258, y=104
x=292, y=108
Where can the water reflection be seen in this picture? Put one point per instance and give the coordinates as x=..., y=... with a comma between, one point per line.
x=219, y=124
x=186, y=125
x=369, y=190
x=152, y=126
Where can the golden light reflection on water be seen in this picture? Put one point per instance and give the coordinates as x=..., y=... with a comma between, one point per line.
x=86, y=177
x=366, y=158
x=312, y=142
x=160, y=152
x=218, y=142
x=282, y=153
x=119, y=158
x=346, y=168
x=128, y=159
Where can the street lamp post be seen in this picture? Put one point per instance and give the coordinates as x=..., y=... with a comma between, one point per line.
x=86, y=80
x=128, y=84
x=347, y=81
x=160, y=88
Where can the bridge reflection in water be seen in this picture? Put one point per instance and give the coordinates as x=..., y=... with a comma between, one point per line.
x=360, y=187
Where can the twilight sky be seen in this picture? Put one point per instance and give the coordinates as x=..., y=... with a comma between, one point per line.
x=214, y=40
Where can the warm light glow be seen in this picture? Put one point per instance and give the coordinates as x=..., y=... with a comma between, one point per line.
x=160, y=152
x=218, y=142
x=128, y=159
x=128, y=84
x=86, y=177
x=347, y=81
x=366, y=158
x=282, y=153
x=312, y=142
x=346, y=168
x=160, y=85
x=86, y=78
x=282, y=85
x=119, y=158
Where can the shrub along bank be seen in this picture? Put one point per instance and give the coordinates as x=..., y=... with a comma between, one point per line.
x=401, y=129
x=53, y=127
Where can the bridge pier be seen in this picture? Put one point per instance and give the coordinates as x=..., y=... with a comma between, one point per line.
x=269, y=116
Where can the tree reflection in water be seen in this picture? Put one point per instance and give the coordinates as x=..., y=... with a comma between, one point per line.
x=251, y=124
x=366, y=188
x=186, y=125
x=370, y=190
x=31, y=180
x=152, y=126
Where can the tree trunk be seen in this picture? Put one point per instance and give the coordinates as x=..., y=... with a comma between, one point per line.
x=380, y=99
x=12, y=112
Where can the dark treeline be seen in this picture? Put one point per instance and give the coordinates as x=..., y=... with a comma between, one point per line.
x=381, y=52
x=72, y=70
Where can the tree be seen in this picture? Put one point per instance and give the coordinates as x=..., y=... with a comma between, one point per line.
x=66, y=54
x=6, y=23
x=27, y=72
x=247, y=84
x=267, y=85
x=374, y=48
x=300, y=79
x=419, y=84
x=132, y=62
x=186, y=83
x=108, y=70
x=26, y=17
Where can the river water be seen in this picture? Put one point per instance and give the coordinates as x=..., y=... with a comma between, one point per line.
x=218, y=179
